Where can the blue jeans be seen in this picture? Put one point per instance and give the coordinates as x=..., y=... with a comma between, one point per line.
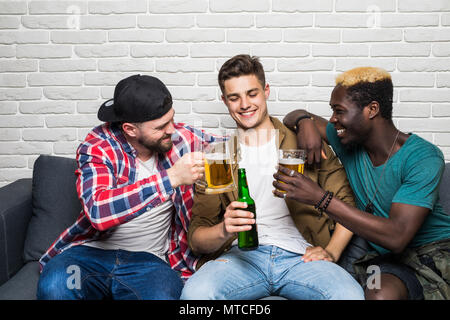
x=83, y=272
x=268, y=271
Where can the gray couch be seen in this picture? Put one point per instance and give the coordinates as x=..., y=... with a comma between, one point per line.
x=33, y=213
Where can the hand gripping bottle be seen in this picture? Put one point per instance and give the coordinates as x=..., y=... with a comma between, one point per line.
x=247, y=240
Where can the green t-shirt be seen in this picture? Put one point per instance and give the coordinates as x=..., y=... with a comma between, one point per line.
x=412, y=176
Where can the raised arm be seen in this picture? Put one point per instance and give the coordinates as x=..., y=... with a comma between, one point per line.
x=107, y=205
x=311, y=130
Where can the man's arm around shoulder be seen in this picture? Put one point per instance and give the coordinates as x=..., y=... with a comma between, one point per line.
x=311, y=130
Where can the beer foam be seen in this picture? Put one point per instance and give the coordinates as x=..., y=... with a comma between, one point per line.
x=291, y=161
x=216, y=156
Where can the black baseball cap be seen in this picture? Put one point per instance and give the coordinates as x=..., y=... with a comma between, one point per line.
x=138, y=98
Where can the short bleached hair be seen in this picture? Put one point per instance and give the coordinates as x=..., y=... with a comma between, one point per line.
x=362, y=74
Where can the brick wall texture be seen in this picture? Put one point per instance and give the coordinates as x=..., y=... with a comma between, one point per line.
x=59, y=60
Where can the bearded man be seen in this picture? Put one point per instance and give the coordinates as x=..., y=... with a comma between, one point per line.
x=135, y=175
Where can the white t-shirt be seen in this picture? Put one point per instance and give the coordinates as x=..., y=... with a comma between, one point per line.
x=148, y=232
x=275, y=224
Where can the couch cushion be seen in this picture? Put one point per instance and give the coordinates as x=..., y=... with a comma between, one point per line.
x=15, y=215
x=55, y=203
x=23, y=285
x=444, y=194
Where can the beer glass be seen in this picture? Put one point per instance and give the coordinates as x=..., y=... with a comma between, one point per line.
x=219, y=165
x=293, y=159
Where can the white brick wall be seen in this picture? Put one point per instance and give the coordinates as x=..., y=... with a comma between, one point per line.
x=59, y=60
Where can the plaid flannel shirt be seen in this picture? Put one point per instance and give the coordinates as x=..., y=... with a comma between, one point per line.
x=111, y=195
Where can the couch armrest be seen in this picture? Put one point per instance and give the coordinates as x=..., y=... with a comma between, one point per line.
x=15, y=214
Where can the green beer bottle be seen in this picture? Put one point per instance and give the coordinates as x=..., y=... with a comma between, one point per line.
x=247, y=240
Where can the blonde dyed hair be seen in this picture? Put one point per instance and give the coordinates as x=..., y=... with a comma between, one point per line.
x=362, y=74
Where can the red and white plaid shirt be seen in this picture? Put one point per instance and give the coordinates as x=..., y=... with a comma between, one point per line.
x=111, y=195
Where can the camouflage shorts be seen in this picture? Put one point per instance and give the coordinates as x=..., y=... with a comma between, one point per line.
x=430, y=262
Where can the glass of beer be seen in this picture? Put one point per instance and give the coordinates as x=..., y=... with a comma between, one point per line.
x=219, y=167
x=293, y=159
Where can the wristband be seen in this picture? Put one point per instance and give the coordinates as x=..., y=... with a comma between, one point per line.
x=305, y=116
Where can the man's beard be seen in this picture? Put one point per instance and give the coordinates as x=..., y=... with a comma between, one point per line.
x=157, y=146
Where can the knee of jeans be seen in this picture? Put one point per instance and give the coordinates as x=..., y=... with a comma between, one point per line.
x=349, y=290
x=172, y=293
x=345, y=287
x=172, y=290
x=200, y=289
x=54, y=285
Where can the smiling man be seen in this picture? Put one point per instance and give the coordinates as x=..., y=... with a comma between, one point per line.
x=134, y=180
x=296, y=252
x=395, y=177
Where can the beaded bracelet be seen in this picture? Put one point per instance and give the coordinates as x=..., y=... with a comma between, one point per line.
x=321, y=200
x=325, y=206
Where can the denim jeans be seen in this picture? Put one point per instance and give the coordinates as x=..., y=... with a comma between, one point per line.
x=83, y=272
x=268, y=271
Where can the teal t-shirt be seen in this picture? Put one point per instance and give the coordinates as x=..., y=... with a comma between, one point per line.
x=412, y=176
